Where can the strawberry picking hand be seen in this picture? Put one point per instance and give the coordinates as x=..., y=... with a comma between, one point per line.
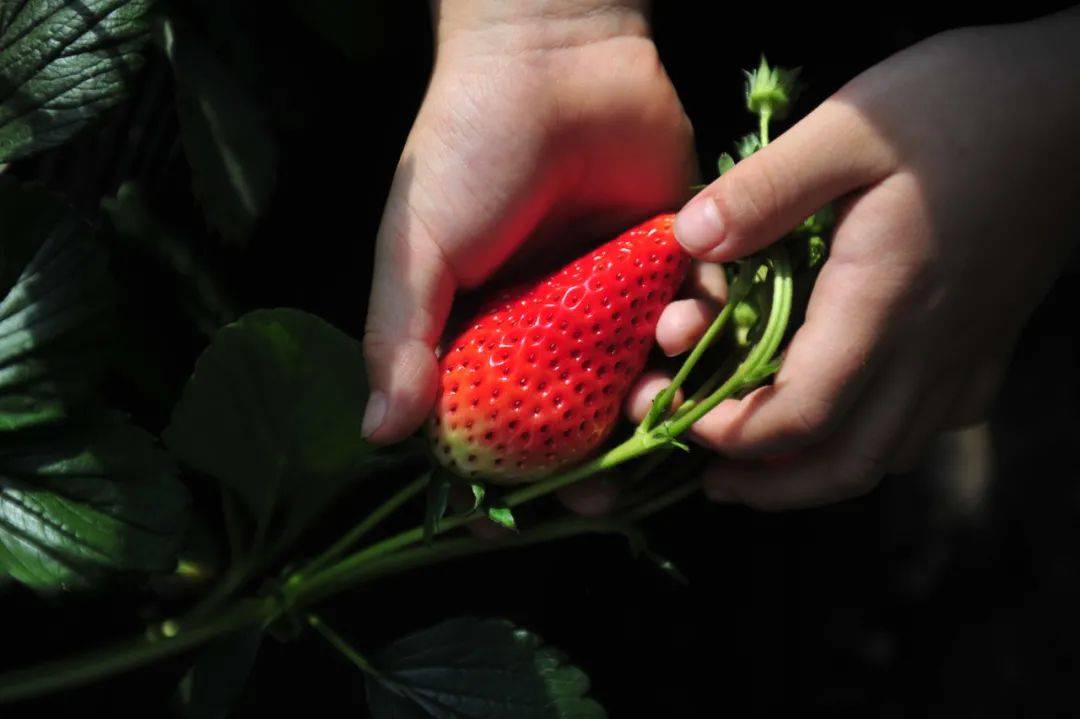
x=542, y=116
x=956, y=164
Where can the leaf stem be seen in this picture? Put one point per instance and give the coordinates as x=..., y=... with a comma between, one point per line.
x=171, y=640
x=339, y=643
x=355, y=570
x=354, y=535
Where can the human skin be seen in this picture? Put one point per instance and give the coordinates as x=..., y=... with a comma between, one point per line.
x=954, y=162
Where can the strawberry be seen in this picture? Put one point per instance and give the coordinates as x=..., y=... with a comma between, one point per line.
x=535, y=382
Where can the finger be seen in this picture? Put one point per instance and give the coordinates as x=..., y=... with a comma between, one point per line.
x=847, y=465
x=590, y=498
x=681, y=325
x=412, y=289
x=854, y=316
x=831, y=152
x=707, y=281
x=641, y=396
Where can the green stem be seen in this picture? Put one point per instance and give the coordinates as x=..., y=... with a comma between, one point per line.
x=708, y=387
x=763, y=125
x=762, y=352
x=355, y=570
x=358, y=532
x=235, y=578
x=634, y=447
x=86, y=668
x=338, y=642
x=739, y=289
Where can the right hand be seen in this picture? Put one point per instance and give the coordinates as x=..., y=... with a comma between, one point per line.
x=547, y=119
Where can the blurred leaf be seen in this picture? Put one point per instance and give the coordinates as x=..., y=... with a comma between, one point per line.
x=215, y=682
x=273, y=411
x=51, y=344
x=62, y=63
x=90, y=502
x=477, y=669
x=226, y=136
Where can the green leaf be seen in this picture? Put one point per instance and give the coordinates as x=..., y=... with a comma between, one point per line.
x=51, y=344
x=215, y=683
x=62, y=63
x=273, y=411
x=724, y=163
x=478, y=493
x=91, y=502
x=226, y=136
x=478, y=669
x=502, y=516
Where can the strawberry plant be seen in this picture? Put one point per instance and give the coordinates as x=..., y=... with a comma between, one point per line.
x=268, y=422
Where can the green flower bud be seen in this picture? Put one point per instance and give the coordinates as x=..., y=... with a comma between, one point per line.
x=770, y=90
x=748, y=145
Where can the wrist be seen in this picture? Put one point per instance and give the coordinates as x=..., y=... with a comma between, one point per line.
x=497, y=27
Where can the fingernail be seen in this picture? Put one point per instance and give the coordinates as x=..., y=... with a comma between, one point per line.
x=374, y=414
x=699, y=227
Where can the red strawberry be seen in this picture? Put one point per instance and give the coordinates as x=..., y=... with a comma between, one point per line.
x=536, y=381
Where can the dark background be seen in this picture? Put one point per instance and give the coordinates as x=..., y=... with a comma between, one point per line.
x=948, y=592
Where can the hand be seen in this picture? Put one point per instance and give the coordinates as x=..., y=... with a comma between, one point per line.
x=955, y=165
x=542, y=120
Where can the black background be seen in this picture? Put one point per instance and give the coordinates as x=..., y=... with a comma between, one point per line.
x=886, y=606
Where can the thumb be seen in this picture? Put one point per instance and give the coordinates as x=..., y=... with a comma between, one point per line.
x=412, y=289
x=831, y=152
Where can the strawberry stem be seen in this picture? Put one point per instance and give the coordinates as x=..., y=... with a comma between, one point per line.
x=357, y=533
x=749, y=371
x=662, y=402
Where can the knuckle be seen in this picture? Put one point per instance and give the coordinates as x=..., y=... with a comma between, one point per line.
x=375, y=344
x=814, y=420
x=750, y=198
